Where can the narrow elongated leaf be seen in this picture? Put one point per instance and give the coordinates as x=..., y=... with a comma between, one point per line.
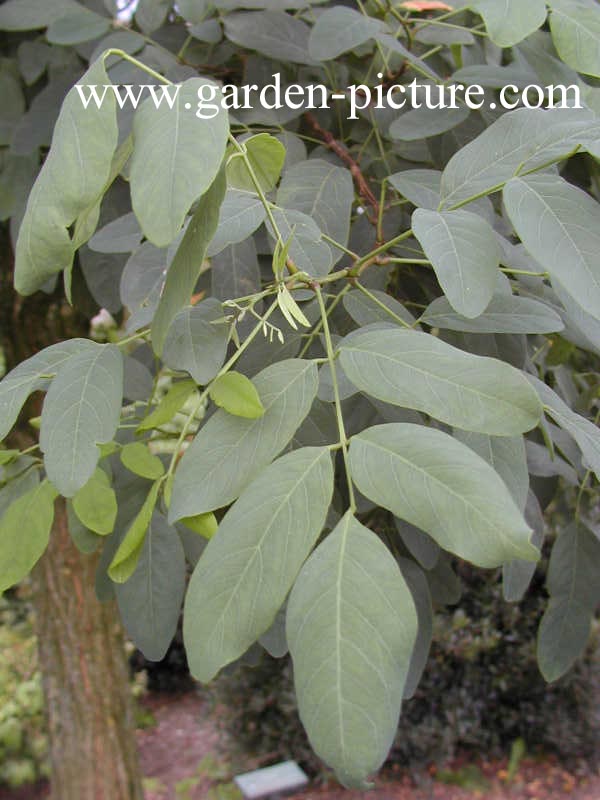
x=170, y=404
x=127, y=555
x=585, y=433
x=519, y=140
x=574, y=585
x=559, y=225
x=239, y=216
x=517, y=575
x=510, y=21
x=82, y=409
x=465, y=255
x=163, y=189
x=417, y=370
x=150, y=601
x=96, y=504
x=32, y=375
x=419, y=589
x=228, y=451
x=183, y=273
x=249, y=566
x=438, y=484
x=70, y=182
x=575, y=30
x=340, y=29
x=273, y=33
x=237, y=395
x=351, y=628
x=197, y=343
x=24, y=533
x=505, y=313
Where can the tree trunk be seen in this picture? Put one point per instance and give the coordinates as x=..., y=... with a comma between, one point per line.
x=85, y=676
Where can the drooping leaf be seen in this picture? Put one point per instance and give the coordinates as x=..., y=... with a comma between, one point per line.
x=196, y=342
x=96, y=504
x=573, y=583
x=150, y=600
x=81, y=410
x=228, y=451
x=505, y=313
x=517, y=574
x=419, y=589
x=163, y=189
x=128, y=552
x=465, y=255
x=237, y=395
x=24, y=532
x=338, y=30
x=351, y=627
x=417, y=370
x=438, y=484
x=559, y=225
x=511, y=21
x=138, y=459
x=248, y=567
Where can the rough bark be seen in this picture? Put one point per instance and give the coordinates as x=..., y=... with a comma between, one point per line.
x=85, y=676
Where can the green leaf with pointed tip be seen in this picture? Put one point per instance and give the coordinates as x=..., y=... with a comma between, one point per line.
x=438, y=484
x=559, y=225
x=573, y=583
x=237, y=395
x=417, y=370
x=172, y=402
x=505, y=314
x=71, y=181
x=150, y=600
x=351, y=628
x=228, y=451
x=138, y=459
x=575, y=30
x=96, y=504
x=464, y=253
x=266, y=155
x=24, y=533
x=82, y=410
x=204, y=524
x=269, y=531
x=127, y=555
x=196, y=342
x=164, y=188
x=511, y=21
x=184, y=270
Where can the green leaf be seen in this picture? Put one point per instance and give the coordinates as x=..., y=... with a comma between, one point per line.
x=138, y=459
x=435, y=482
x=517, y=574
x=193, y=11
x=418, y=543
x=25, y=15
x=420, y=123
x=351, y=627
x=96, y=504
x=71, y=181
x=239, y=216
x=559, y=225
x=228, y=451
x=81, y=410
x=505, y=314
x=196, y=342
x=266, y=155
x=24, y=533
x=585, y=433
x=237, y=395
x=573, y=583
x=465, y=255
x=78, y=25
x=164, y=184
x=150, y=600
x=522, y=140
x=171, y=403
x=127, y=555
x=273, y=33
x=419, y=589
x=322, y=191
x=417, y=370
x=338, y=30
x=34, y=374
x=85, y=540
x=575, y=30
x=511, y=21
x=365, y=311
x=420, y=186
x=307, y=250
x=204, y=524
x=151, y=14
x=183, y=273
x=270, y=530
x=121, y=235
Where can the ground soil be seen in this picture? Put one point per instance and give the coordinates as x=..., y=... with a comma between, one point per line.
x=185, y=741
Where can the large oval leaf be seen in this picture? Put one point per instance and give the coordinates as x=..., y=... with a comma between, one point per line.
x=511, y=21
x=248, y=567
x=192, y=149
x=575, y=30
x=417, y=370
x=351, y=627
x=438, y=484
x=228, y=451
